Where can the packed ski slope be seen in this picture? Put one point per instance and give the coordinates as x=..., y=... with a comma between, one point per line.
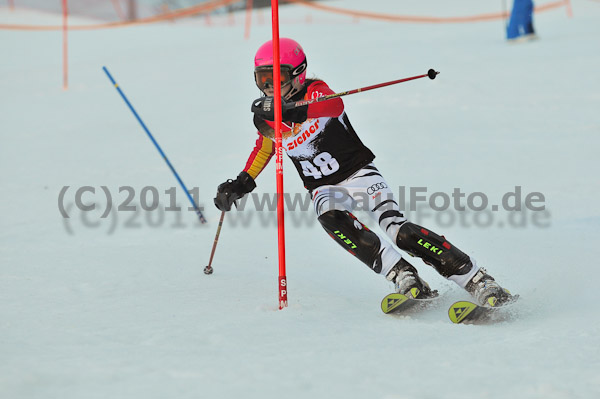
x=118, y=307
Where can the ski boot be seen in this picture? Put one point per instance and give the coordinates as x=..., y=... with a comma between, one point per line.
x=486, y=291
x=407, y=281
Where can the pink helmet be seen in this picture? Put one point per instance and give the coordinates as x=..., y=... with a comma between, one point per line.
x=293, y=65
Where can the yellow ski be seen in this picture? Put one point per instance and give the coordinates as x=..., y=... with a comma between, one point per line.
x=397, y=303
x=460, y=310
x=465, y=312
x=393, y=301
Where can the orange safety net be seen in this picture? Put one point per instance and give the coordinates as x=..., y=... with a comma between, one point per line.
x=212, y=5
x=422, y=19
x=171, y=15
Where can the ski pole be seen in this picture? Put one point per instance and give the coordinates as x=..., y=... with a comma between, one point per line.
x=208, y=269
x=196, y=208
x=431, y=74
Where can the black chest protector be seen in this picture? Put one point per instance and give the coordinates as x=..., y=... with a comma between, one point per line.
x=325, y=150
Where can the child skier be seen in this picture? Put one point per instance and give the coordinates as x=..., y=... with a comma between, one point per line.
x=338, y=170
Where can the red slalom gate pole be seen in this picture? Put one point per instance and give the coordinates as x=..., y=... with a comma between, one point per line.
x=65, y=46
x=283, y=301
x=118, y=10
x=569, y=9
x=431, y=74
x=248, y=19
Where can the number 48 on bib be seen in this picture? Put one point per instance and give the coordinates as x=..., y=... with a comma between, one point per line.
x=322, y=165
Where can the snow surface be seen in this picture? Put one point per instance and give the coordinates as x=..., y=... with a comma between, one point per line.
x=117, y=308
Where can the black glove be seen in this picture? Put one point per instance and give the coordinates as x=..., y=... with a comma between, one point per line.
x=264, y=107
x=232, y=190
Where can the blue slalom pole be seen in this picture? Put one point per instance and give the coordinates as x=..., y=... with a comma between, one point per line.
x=196, y=208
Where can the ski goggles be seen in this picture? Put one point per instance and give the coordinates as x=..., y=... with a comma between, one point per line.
x=263, y=76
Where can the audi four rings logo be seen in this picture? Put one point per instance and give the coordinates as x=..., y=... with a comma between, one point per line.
x=376, y=187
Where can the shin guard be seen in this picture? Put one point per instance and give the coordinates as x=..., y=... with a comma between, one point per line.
x=433, y=249
x=353, y=236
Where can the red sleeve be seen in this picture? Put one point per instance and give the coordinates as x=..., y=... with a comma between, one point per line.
x=332, y=108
